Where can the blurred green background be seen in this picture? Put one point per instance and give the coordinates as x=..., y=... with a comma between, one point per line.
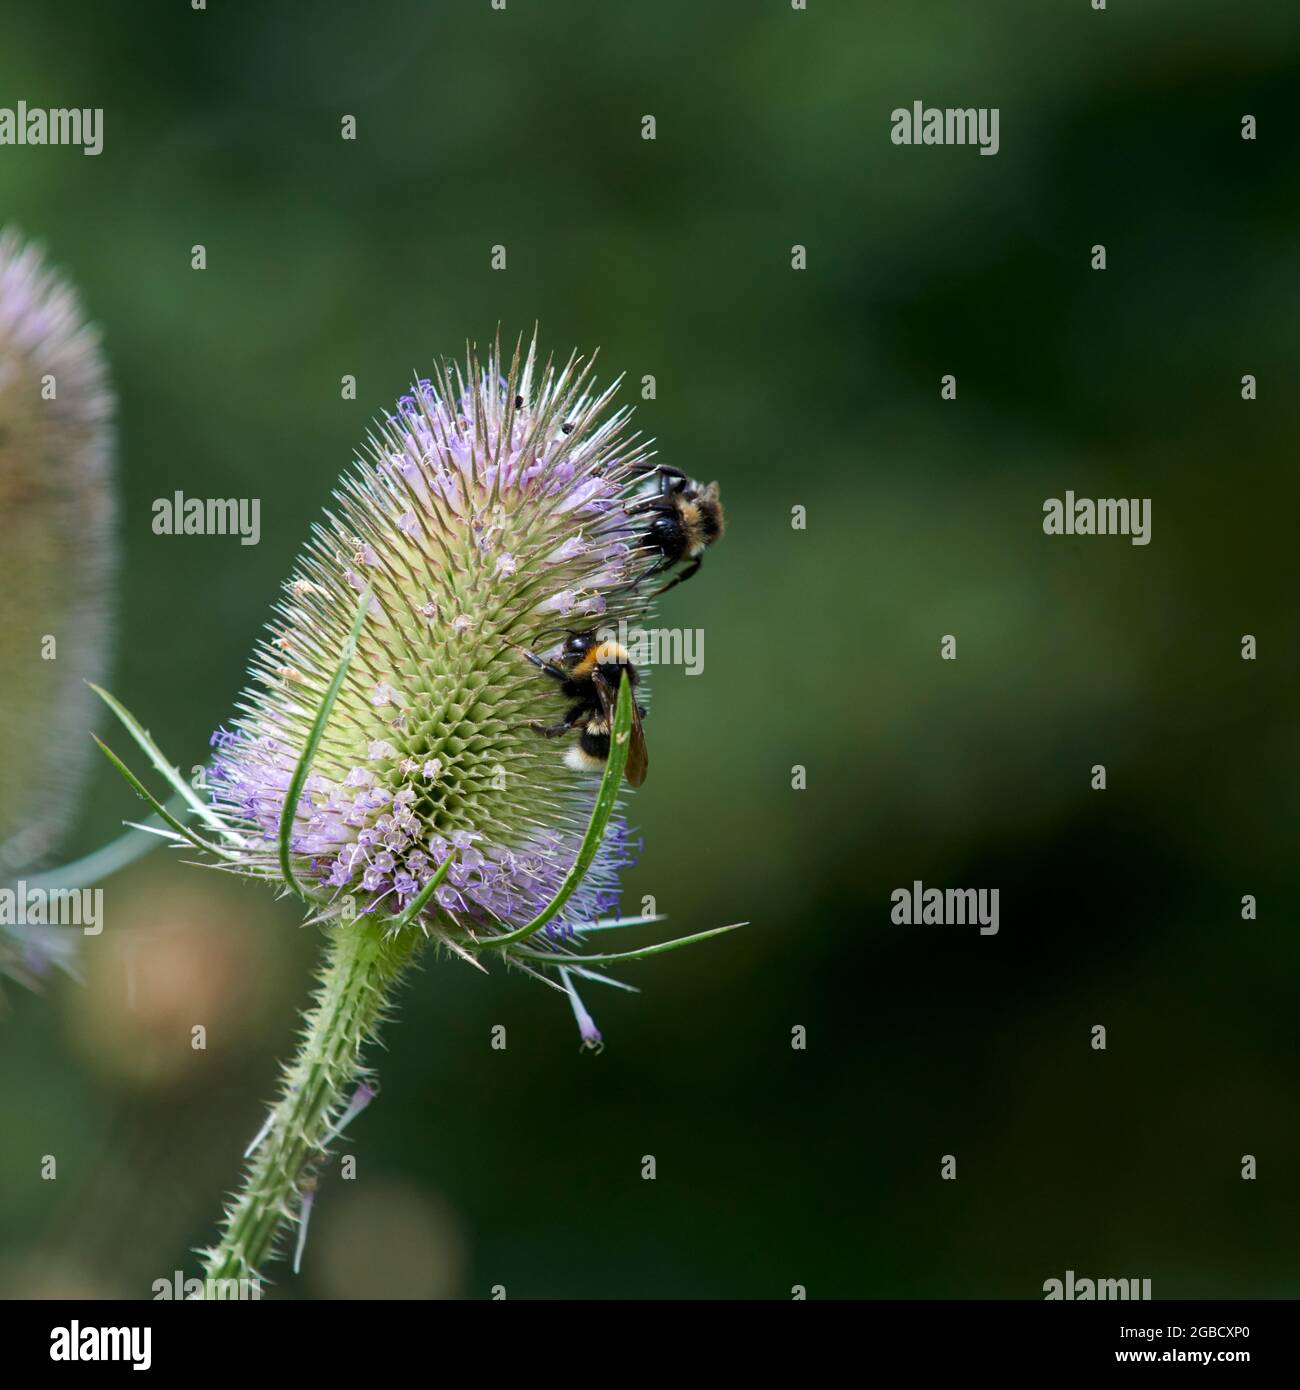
x=817, y=388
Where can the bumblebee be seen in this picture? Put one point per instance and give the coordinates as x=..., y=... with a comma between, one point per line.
x=687, y=519
x=589, y=671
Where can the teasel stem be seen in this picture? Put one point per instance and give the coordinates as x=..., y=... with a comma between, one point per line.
x=363, y=964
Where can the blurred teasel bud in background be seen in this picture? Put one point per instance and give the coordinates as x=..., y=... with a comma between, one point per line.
x=56, y=500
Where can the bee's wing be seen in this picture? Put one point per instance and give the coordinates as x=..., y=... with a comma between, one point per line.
x=638, y=761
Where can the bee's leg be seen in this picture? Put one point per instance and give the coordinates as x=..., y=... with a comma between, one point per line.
x=671, y=480
x=655, y=503
x=669, y=477
x=671, y=483
x=549, y=667
x=688, y=573
x=550, y=730
x=576, y=716
x=661, y=564
x=665, y=470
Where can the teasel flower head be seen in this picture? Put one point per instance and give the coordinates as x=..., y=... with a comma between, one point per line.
x=488, y=516
x=57, y=504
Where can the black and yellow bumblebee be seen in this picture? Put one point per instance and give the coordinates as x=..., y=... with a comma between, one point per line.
x=687, y=520
x=589, y=669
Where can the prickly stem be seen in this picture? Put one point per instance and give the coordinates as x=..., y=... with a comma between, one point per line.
x=361, y=969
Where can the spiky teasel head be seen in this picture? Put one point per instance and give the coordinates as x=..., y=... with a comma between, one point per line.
x=57, y=505
x=487, y=517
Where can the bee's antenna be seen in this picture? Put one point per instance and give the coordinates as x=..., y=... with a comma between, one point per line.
x=555, y=632
x=527, y=655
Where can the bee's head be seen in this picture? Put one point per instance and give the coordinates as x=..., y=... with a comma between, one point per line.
x=578, y=644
